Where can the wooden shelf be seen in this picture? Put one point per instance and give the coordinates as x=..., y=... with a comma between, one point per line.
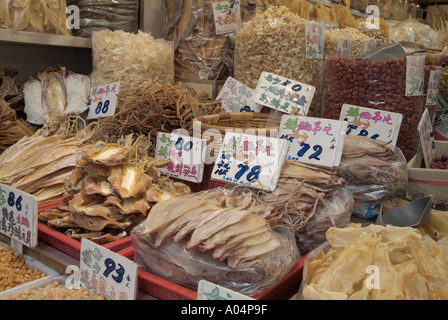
x=43, y=39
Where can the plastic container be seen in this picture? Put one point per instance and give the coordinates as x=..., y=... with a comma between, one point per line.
x=69, y=245
x=166, y=290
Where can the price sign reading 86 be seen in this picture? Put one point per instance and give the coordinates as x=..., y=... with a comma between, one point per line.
x=103, y=101
x=107, y=273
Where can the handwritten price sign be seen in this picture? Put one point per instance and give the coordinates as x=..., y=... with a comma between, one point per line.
x=227, y=16
x=18, y=218
x=107, y=273
x=250, y=160
x=314, y=40
x=283, y=94
x=185, y=154
x=426, y=134
x=103, y=101
x=313, y=140
x=376, y=124
x=237, y=97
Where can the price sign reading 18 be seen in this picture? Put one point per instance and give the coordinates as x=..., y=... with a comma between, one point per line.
x=18, y=215
x=313, y=140
x=103, y=101
x=107, y=273
x=250, y=160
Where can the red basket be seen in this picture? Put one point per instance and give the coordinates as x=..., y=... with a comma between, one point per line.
x=69, y=245
x=207, y=182
x=160, y=288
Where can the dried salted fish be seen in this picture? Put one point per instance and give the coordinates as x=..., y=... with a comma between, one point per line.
x=53, y=92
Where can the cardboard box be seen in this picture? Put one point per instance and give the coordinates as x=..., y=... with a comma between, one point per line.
x=428, y=181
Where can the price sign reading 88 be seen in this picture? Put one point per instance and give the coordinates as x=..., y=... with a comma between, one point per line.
x=107, y=273
x=103, y=101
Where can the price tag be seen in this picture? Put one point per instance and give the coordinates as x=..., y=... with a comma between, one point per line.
x=376, y=124
x=283, y=94
x=107, y=273
x=103, y=101
x=186, y=155
x=250, y=160
x=344, y=48
x=227, y=16
x=426, y=134
x=314, y=40
x=210, y=291
x=313, y=140
x=237, y=97
x=369, y=45
x=415, y=74
x=433, y=86
x=18, y=215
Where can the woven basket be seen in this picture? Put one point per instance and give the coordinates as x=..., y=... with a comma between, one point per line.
x=247, y=122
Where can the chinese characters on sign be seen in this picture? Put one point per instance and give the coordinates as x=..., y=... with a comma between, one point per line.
x=426, y=133
x=433, y=86
x=227, y=16
x=103, y=101
x=344, y=48
x=314, y=40
x=369, y=45
x=107, y=273
x=185, y=154
x=237, y=97
x=283, y=94
x=250, y=160
x=18, y=218
x=313, y=140
x=376, y=124
x=415, y=74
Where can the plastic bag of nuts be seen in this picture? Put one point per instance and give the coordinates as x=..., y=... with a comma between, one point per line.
x=274, y=41
x=357, y=41
x=374, y=84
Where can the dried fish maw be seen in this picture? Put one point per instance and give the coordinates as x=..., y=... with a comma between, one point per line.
x=413, y=284
x=129, y=205
x=97, y=223
x=109, y=156
x=315, y=292
x=390, y=286
x=165, y=212
x=129, y=181
x=54, y=92
x=97, y=210
x=34, y=109
x=78, y=91
x=248, y=224
x=349, y=268
x=206, y=230
x=91, y=186
x=97, y=237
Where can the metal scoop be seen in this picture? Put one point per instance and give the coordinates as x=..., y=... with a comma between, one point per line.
x=413, y=214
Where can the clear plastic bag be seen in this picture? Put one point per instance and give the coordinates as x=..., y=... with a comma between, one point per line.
x=187, y=267
x=414, y=31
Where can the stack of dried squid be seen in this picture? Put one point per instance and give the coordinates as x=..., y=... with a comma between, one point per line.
x=218, y=235
x=153, y=108
x=200, y=53
x=112, y=188
x=39, y=164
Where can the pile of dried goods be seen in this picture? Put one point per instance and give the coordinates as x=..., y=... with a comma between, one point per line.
x=111, y=190
x=357, y=38
x=14, y=270
x=440, y=162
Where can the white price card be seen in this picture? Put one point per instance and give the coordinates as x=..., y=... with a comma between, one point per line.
x=186, y=154
x=250, y=160
x=314, y=140
x=415, y=74
x=237, y=97
x=103, y=101
x=210, y=291
x=314, y=40
x=426, y=134
x=227, y=16
x=18, y=218
x=107, y=273
x=377, y=124
x=432, y=92
x=283, y=94
x=369, y=45
x=344, y=49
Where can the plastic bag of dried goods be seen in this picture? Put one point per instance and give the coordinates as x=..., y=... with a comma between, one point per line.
x=274, y=41
x=413, y=31
x=378, y=84
x=336, y=212
x=210, y=236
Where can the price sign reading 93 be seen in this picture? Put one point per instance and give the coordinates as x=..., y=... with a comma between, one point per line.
x=107, y=273
x=18, y=215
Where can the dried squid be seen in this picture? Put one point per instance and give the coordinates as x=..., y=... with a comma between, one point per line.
x=111, y=189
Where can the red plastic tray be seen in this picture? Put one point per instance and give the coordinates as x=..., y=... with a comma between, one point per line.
x=66, y=244
x=163, y=289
